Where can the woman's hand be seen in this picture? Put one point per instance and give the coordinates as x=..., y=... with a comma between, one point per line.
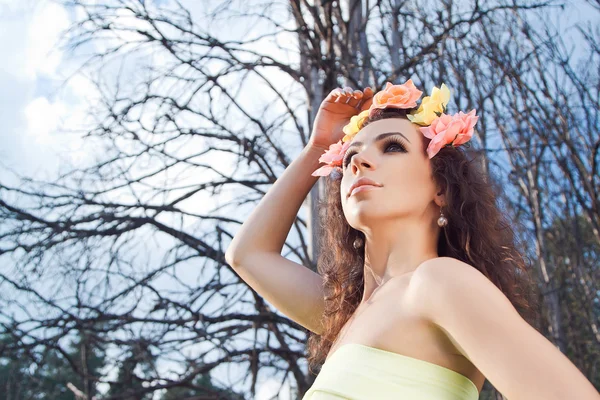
x=335, y=112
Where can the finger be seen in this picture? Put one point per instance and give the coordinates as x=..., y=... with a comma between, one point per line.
x=366, y=104
x=337, y=96
x=342, y=98
x=368, y=92
x=367, y=100
x=355, y=98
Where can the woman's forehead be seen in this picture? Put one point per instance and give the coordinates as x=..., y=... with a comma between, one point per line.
x=369, y=132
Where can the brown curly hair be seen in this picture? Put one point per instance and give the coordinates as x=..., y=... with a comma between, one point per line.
x=477, y=233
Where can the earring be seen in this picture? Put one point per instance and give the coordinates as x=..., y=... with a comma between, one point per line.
x=442, y=221
x=358, y=242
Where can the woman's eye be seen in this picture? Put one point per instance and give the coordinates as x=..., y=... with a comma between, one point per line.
x=347, y=158
x=397, y=145
x=386, y=146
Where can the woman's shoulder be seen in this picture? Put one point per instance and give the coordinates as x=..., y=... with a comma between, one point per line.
x=434, y=275
x=439, y=268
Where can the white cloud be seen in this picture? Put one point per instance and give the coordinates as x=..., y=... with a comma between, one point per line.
x=29, y=32
x=33, y=107
x=43, y=117
x=45, y=29
x=82, y=88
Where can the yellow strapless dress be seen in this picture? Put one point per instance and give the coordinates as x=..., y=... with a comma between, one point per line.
x=359, y=372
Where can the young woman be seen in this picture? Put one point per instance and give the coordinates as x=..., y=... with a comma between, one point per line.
x=420, y=287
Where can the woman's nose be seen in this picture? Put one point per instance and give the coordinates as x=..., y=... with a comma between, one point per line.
x=359, y=160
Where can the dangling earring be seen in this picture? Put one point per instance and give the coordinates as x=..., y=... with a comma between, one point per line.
x=442, y=221
x=358, y=242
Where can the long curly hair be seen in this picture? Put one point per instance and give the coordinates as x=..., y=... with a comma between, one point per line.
x=477, y=233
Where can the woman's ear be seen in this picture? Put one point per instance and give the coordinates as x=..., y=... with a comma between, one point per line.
x=440, y=197
x=440, y=200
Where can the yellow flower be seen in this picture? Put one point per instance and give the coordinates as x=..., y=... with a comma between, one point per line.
x=431, y=106
x=352, y=128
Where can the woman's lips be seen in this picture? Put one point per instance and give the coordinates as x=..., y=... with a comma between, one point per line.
x=363, y=188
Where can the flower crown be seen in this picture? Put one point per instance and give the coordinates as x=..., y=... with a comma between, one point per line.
x=443, y=130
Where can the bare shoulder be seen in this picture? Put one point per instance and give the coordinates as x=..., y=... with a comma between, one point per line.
x=447, y=291
x=439, y=278
x=446, y=270
x=483, y=324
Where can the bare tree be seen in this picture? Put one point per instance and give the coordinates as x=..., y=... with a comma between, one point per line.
x=196, y=120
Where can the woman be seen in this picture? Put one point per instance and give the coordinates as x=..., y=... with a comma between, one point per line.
x=420, y=285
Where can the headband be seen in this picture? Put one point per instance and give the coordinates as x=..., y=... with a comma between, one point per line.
x=443, y=129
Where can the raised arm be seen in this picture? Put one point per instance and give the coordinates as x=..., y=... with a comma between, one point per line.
x=255, y=251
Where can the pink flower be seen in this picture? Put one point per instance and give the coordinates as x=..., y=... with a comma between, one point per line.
x=452, y=130
x=396, y=96
x=332, y=157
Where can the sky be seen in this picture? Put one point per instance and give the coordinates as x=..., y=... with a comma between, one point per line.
x=30, y=72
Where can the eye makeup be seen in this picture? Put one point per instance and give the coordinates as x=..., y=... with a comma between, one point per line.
x=393, y=141
x=379, y=137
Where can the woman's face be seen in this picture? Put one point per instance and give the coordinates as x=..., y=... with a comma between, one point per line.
x=391, y=154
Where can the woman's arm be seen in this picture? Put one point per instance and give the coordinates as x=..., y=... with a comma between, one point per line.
x=255, y=251
x=267, y=227
x=518, y=360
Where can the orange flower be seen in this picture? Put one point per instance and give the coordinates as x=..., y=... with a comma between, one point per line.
x=396, y=96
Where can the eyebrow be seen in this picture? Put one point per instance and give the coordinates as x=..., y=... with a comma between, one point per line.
x=378, y=138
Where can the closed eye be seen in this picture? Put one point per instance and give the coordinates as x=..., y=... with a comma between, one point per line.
x=389, y=143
